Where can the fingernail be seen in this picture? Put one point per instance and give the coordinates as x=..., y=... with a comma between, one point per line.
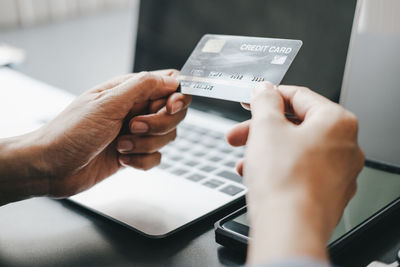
x=170, y=82
x=125, y=146
x=139, y=127
x=176, y=107
x=124, y=159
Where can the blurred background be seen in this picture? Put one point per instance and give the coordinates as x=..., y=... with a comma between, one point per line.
x=71, y=44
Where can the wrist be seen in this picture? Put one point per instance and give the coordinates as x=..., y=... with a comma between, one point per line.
x=287, y=224
x=23, y=171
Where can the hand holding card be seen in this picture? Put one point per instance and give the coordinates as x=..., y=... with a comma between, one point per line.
x=229, y=67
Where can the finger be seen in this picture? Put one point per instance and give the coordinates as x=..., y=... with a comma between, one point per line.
x=128, y=144
x=302, y=100
x=122, y=78
x=239, y=134
x=288, y=108
x=177, y=102
x=353, y=190
x=142, y=162
x=168, y=72
x=156, y=105
x=239, y=167
x=139, y=108
x=267, y=104
x=142, y=87
x=268, y=119
x=159, y=123
x=293, y=119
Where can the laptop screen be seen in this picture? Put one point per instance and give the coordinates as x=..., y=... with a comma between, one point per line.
x=371, y=84
x=169, y=30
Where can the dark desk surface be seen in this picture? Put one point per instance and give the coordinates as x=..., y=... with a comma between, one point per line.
x=45, y=232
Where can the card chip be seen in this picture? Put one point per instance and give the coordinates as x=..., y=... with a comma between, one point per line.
x=213, y=46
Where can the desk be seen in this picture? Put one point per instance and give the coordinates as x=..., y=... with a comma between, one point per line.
x=45, y=232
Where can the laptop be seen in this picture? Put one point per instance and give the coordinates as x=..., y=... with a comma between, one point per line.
x=371, y=83
x=197, y=176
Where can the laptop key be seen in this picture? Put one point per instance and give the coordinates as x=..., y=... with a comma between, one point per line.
x=216, y=135
x=215, y=159
x=164, y=166
x=208, y=168
x=199, y=154
x=198, y=130
x=209, y=184
x=226, y=150
x=209, y=145
x=239, y=154
x=184, y=149
x=176, y=158
x=213, y=183
x=193, y=140
x=231, y=190
x=230, y=164
x=196, y=177
x=179, y=172
x=231, y=176
x=191, y=163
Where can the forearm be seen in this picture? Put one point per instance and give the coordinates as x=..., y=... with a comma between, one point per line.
x=288, y=225
x=22, y=168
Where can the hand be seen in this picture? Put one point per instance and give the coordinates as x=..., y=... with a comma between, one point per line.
x=300, y=174
x=124, y=121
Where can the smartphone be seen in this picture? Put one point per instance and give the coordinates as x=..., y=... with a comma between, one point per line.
x=378, y=196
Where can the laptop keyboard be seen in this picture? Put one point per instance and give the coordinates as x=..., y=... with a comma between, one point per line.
x=204, y=157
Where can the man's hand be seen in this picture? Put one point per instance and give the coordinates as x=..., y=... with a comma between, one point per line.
x=123, y=122
x=300, y=172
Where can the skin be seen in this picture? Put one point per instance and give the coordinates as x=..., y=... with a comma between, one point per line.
x=120, y=123
x=300, y=172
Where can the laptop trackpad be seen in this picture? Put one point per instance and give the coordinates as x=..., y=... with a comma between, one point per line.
x=153, y=202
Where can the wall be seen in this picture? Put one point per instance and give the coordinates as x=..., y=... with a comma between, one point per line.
x=25, y=13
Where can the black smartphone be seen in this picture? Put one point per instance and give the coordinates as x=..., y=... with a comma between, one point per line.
x=377, y=197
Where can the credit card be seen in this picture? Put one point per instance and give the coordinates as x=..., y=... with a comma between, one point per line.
x=229, y=67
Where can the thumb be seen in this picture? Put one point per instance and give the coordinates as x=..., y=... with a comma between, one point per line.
x=267, y=109
x=267, y=104
x=143, y=87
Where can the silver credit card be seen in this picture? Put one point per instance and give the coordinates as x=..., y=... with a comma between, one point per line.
x=228, y=67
